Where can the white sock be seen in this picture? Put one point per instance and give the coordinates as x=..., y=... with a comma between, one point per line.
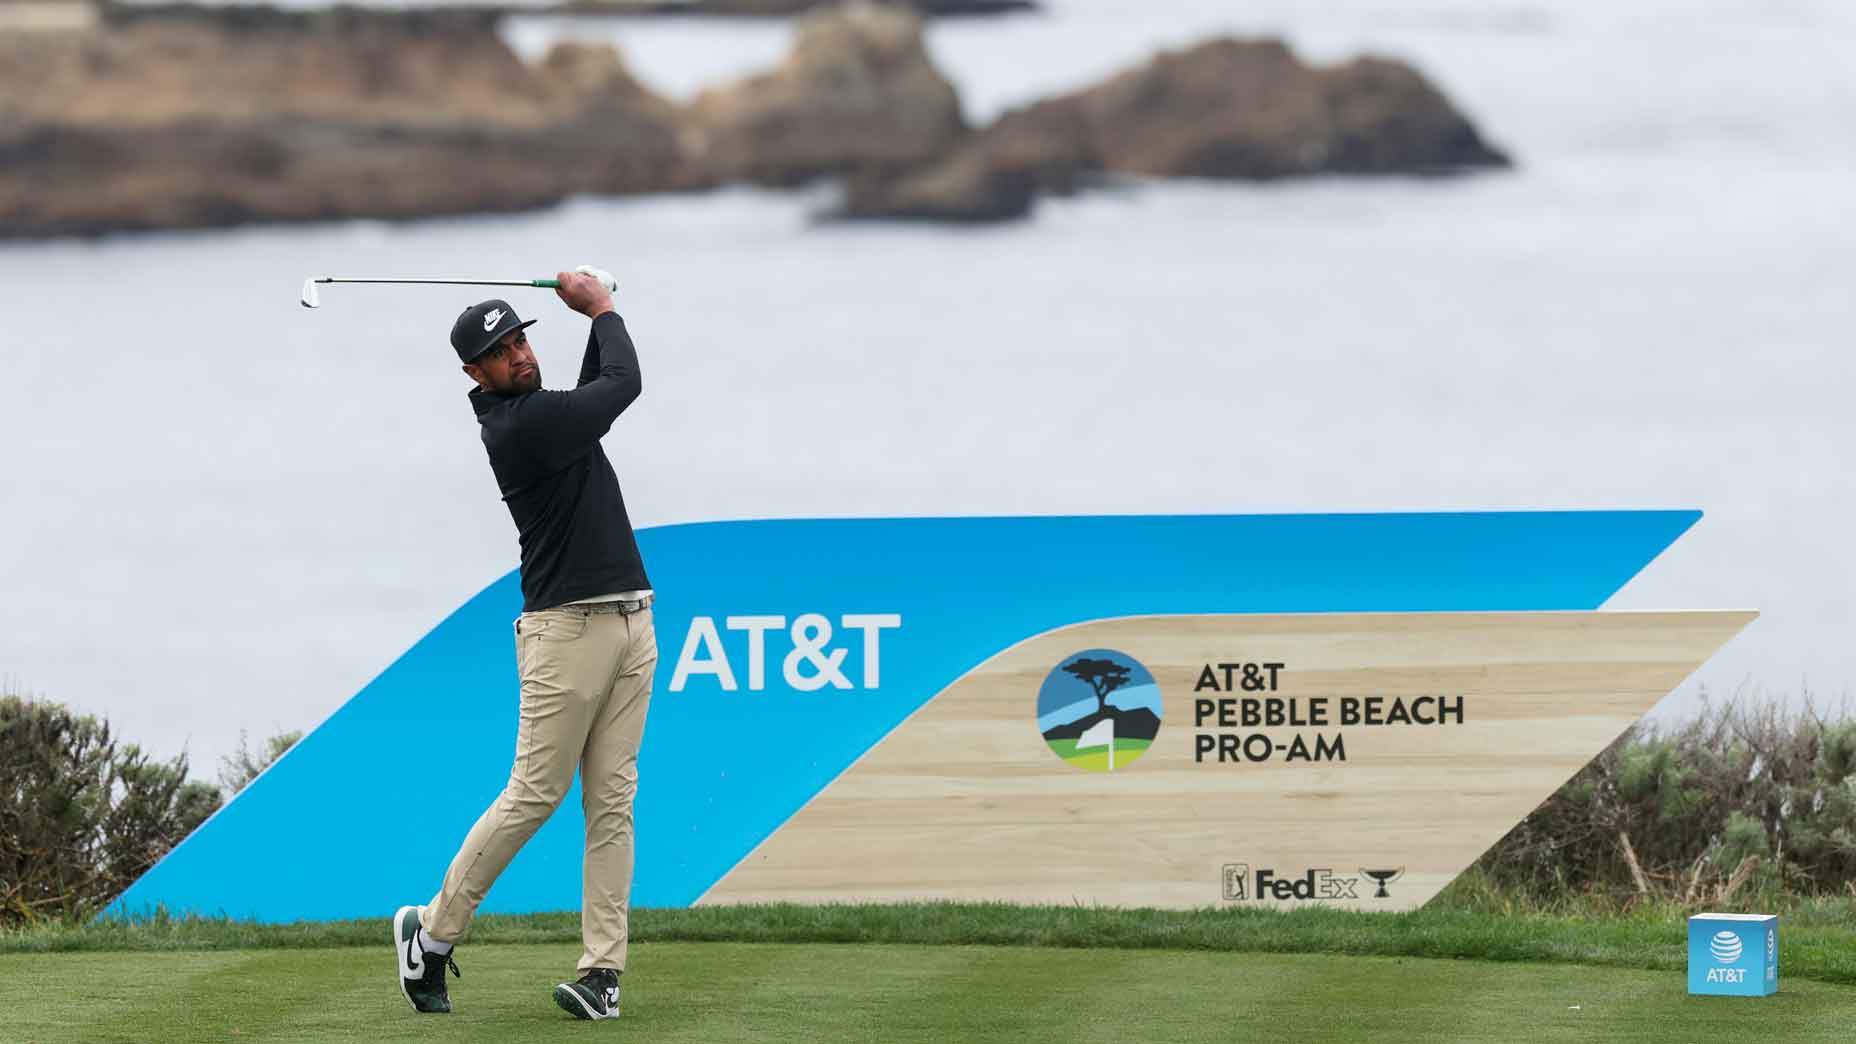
x=431, y=945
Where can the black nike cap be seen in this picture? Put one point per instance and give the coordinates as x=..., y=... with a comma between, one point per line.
x=482, y=325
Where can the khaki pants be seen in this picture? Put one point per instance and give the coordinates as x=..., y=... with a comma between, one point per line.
x=586, y=685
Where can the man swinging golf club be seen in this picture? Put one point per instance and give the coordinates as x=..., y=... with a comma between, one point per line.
x=584, y=643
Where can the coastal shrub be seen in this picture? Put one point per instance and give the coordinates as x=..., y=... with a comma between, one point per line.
x=239, y=768
x=1744, y=798
x=81, y=814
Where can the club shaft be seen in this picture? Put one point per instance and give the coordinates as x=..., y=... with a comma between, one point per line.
x=444, y=282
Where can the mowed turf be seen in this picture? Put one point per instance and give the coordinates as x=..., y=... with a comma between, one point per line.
x=717, y=993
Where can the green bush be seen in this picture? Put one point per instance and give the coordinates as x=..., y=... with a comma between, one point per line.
x=82, y=816
x=1742, y=799
x=239, y=768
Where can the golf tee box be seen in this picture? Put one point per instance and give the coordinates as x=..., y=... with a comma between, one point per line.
x=1735, y=955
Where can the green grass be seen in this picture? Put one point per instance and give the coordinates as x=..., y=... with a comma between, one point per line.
x=719, y=993
x=940, y=972
x=1819, y=938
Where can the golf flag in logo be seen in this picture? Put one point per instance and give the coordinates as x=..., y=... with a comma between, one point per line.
x=1101, y=734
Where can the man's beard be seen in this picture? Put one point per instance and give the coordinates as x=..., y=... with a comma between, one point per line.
x=520, y=383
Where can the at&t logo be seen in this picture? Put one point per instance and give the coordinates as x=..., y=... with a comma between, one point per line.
x=809, y=661
x=1726, y=948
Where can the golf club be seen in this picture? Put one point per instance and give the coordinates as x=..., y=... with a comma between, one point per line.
x=312, y=299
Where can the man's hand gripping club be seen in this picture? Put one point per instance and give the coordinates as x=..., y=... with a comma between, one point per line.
x=587, y=290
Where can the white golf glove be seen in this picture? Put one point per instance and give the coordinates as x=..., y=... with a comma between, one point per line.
x=604, y=277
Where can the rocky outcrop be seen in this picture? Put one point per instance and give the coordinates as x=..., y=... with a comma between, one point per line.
x=46, y=16
x=856, y=93
x=196, y=119
x=128, y=11
x=965, y=187
x=1236, y=109
x=174, y=124
x=1251, y=109
x=781, y=8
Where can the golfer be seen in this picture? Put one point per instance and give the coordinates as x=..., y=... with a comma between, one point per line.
x=584, y=644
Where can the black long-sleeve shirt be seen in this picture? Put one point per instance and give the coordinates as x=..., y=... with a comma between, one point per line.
x=544, y=447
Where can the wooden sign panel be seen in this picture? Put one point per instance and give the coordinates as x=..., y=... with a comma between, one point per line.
x=1358, y=760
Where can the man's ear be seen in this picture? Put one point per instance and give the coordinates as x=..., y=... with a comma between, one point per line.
x=474, y=372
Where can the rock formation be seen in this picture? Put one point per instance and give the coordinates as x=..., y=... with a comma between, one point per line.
x=781, y=8
x=1236, y=109
x=192, y=117
x=270, y=116
x=857, y=92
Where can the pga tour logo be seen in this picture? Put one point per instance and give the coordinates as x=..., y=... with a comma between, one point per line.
x=811, y=651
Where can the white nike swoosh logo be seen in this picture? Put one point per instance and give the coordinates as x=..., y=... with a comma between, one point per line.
x=490, y=321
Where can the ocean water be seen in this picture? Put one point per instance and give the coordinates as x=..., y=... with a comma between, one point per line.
x=225, y=512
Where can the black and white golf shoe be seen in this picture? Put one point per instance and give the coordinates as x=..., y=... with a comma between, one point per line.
x=422, y=974
x=594, y=995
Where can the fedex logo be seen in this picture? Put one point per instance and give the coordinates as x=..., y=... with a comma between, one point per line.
x=809, y=659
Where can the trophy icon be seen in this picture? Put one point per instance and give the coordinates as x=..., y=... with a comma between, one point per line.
x=1383, y=878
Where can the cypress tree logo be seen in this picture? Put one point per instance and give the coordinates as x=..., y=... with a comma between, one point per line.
x=1099, y=710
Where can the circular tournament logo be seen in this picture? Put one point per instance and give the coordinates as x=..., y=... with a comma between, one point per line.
x=1099, y=710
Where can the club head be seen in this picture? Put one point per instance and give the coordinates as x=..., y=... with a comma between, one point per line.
x=311, y=299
